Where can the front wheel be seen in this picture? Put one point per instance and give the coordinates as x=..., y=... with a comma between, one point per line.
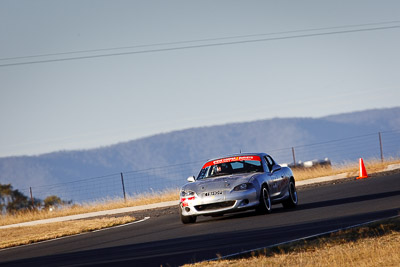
x=265, y=205
x=187, y=219
x=292, y=201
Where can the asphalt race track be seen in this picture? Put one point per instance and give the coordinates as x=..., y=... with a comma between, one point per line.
x=163, y=240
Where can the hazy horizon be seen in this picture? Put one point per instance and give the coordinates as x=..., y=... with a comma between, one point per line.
x=183, y=129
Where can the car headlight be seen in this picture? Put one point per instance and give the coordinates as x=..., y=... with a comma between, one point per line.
x=243, y=187
x=187, y=193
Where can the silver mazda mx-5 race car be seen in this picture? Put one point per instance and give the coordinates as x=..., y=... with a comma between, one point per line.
x=235, y=183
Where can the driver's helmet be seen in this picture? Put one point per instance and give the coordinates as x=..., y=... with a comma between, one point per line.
x=218, y=168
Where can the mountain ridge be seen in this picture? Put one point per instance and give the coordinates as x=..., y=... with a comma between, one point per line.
x=195, y=144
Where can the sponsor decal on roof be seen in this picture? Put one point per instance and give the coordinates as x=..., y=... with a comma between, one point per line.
x=231, y=159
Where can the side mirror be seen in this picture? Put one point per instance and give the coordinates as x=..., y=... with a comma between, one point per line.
x=276, y=168
x=191, y=179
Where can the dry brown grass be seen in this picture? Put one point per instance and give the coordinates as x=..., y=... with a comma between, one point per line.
x=106, y=204
x=351, y=168
x=25, y=235
x=377, y=245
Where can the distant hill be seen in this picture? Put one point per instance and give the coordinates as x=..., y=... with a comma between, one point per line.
x=275, y=136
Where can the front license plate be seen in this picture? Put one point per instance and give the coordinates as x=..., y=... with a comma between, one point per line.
x=213, y=193
x=216, y=195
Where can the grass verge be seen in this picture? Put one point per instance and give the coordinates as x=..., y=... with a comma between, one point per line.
x=100, y=205
x=26, y=235
x=351, y=168
x=377, y=244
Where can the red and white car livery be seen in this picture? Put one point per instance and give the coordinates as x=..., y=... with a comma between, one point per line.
x=235, y=183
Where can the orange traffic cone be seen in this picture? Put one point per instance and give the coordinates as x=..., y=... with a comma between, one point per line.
x=363, y=172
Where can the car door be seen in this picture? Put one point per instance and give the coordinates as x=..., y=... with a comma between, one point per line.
x=274, y=181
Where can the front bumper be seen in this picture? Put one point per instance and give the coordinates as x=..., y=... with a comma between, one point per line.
x=230, y=201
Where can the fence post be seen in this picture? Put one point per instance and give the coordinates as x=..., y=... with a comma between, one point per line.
x=33, y=203
x=123, y=186
x=380, y=145
x=294, y=157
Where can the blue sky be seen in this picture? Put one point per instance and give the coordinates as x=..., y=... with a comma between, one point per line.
x=92, y=102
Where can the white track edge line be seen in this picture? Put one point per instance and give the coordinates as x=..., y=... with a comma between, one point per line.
x=299, y=239
x=64, y=237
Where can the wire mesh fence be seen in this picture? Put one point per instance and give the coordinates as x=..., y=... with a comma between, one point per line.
x=370, y=146
x=381, y=146
x=159, y=179
x=120, y=185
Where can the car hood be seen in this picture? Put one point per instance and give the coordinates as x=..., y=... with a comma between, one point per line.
x=221, y=182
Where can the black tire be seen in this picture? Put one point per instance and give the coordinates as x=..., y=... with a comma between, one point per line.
x=265, y=205
x=293, y=199
x=187, y=219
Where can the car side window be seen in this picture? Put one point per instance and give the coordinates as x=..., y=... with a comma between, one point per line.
x=269, y=162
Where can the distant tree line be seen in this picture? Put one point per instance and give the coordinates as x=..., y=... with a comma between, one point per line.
x=12, y=201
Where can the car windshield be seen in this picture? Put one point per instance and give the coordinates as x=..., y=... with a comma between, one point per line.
x=229, y=166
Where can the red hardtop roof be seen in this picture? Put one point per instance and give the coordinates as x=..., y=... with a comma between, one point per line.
x=232, y=159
